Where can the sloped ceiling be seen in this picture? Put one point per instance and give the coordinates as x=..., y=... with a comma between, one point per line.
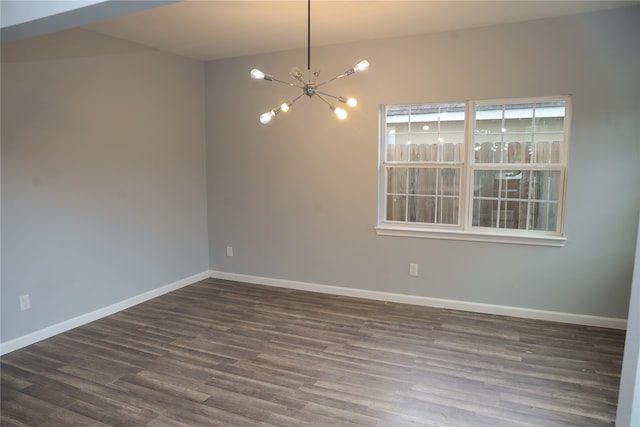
x=213, y=29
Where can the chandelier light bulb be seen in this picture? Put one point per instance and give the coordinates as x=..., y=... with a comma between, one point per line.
x=361, y=66
x=257, y=74
x=352, y=102
x=284, y=107
x=297, y=74
x=266, y=117
x=342, y=114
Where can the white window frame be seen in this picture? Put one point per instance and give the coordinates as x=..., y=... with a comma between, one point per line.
x=465, y=230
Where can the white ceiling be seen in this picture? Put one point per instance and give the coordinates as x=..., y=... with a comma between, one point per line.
x=214, y=29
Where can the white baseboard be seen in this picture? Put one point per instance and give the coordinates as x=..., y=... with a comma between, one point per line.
x=34, y=337
x=580, y=319
x=527, y=313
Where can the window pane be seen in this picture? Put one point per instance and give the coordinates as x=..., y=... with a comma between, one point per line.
x=525, y=200
x=422, y=209
x=398, y=128
x=397, y=180
x=401, y=138
x=519, y=133
x=545, y=185
x=434, y=210
x=513, y=184
x=424, y=138
x=397, y=153
x=449, y=210
x=433, y=194
x=483, y=184
x=543, y=216
x=547, y=148
x=536, y=185
x=453, y=151
x=487, y=152
x=396, y=208
x=449, y=182
x=423, y=181
x=434, y=181
x=451, y=126
x=549, y=116
x=484, y=213
x=431, y=149
x=514, y=152
x=426, y=152
x=435, y=132
x=419, y=125
x=518, y=118
x=499, y=214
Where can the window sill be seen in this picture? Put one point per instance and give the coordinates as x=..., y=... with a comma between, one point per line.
x=475, y=236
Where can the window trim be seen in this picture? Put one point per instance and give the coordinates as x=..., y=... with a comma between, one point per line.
x=465, y=231
x=473, y=236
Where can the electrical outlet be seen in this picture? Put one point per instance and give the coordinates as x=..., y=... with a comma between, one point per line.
x=413, y=270
x=229, y=250
x=25, y=302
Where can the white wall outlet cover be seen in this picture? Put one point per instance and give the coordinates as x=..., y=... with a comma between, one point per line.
x=413, y=269
x=25, y=302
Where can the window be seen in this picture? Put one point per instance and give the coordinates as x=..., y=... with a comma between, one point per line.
x=478, y=170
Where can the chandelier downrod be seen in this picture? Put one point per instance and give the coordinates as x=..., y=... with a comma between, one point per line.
x=309, y=35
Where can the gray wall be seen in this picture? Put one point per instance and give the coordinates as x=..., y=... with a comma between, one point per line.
x=629, y=400
x=297, y=198
x=103, y=175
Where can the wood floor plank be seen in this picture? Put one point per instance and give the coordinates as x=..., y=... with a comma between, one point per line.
x=224, y=353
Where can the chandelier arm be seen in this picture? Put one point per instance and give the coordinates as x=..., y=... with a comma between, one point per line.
x=296, y=98
x=339, y=98
x=289, y=103
x=286, y=83
x=324, y=100
x=324, y=83
x=339, y=76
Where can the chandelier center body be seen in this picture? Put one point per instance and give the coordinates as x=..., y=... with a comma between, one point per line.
x=309, y=89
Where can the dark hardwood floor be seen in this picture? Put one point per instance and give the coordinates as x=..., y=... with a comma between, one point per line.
x=222, y=353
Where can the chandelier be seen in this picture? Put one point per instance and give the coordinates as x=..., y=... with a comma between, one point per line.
x=309, y=87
